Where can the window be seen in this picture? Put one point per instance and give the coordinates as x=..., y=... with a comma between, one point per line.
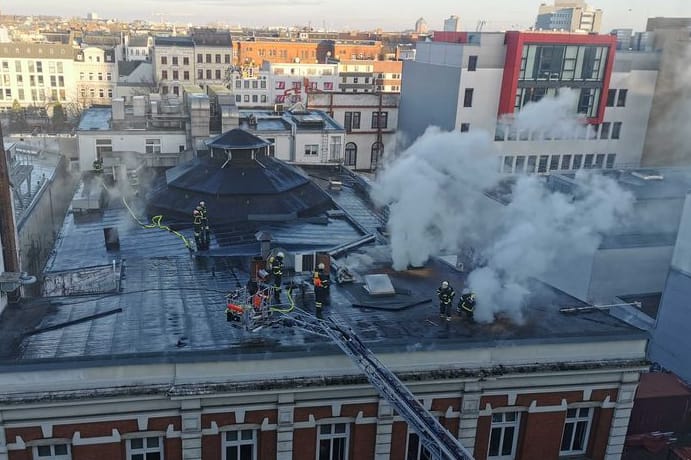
x=200, y=58
x=577, y=161
x=610, y=160
x=377, y=151
x=604, y=130
x=328, y=85
x=200, y=74
x=175, y=74
x=100, y=76
x=264, y=98
x=333, y=442
x=208, y=74
x=508, y=164
x=39, y=67
x=335, y=148
x=542, y=165
x=52, y=452
x=588, y=163
x=164, y=74
x=566, y=162
x=208, y=58
x=262, y=84
x=150, y=448
x=247, y=98
x=380, y=119
x=351, y=121
x=532, y=160
x=503, y=435
x=238, y=98
x=472, y=63
x=186, y=75
x=616, y=130
x=574, y=440
x=621, y=100
x=218, y=58
x=218, y=74
x=468, y=97
x=599, y=161
x=554, y=162
x=465, y=127
x=164, y=60
x=186, y=61
x=240, y=445
x=611, y=96
x=272, y=146
x=226, y=58
x=109, y=76
x=415, y=450
x=246, y=84
x=350, y=154
x=176, y=90
x=255, y=98
x=103, y=146
x=175, y=60
x=153, y=145
x=311, y=149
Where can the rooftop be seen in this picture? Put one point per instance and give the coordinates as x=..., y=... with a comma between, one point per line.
x=170, y=302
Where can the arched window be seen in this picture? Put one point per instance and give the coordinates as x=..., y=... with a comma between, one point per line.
x=350, y=154
x=377, y=152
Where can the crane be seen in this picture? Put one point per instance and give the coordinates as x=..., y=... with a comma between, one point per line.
x=255, y=311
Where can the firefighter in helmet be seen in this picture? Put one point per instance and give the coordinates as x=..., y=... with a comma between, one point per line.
x=276, y=265
x=198, y=229
x=446, y=294
x=98, y=166
x=466, y=305
x=321, y=281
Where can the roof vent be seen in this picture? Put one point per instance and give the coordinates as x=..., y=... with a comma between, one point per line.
x=379, y=285
x=648, y=174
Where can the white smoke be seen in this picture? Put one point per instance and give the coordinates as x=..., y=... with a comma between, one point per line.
x=435, y=194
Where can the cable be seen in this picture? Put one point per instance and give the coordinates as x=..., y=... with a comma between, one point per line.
x=155, y=221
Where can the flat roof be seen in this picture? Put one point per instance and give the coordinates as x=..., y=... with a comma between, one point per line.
x=171, y=302
x=96, y=119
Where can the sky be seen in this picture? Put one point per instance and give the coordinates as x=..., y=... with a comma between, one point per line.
x=390, y=15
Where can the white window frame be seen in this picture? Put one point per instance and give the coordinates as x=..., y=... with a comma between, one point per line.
x=225, y=443
x=333, y=435
x=500, y=421
x=145, y=449
x=335, y=148
x=53, y=455
x=422, y=453
x=152, y=146
x=311, y=149
x=575, y=420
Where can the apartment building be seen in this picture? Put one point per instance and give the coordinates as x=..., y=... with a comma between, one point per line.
x=387, y=76
x=97, y=72
x=483, y=80
x=369, y=120
x=569, y=16
x=174, y=63
x=138, y=47
x=258, y=50
x=356, y=76
x=213, y=56
x=36, y=74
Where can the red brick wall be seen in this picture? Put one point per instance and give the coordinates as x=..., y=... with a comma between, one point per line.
x=482, y=437
x=267, y=445
x=173, y=449
x=399, y=440
x=305, y=443
x=20, y=454
x=599, y=433
x=352, y=410
x=114, y=450
x=542, y=435
x=362, y=441
x=27, y=434
x=161, y=423
x=549, y=399
x=211, y=446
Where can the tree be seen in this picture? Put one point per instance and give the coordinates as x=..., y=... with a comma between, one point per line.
x=58, y=117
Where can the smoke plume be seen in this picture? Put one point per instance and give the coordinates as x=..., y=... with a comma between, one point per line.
x=435, y=191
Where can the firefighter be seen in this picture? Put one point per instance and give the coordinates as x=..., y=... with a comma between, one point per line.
x=276, y=264
x=322, y=282
x=446, y=294
x=98, y=166
x=198, y=230
x=466, y=305
x=205, y=223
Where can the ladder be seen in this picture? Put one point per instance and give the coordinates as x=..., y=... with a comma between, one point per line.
x=438, y=441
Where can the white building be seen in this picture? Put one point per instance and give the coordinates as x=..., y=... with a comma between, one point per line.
x=452, y=24
x=138, y=47
x=306, y=137
x=369, y=120
x=36, y=74
x=173, y=59
x=356, y=76
x=213, y=56
x=97, y=71
x=569, y=16
x=469, y=86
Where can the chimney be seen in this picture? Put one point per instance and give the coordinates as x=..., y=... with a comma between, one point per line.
x=139, y=106
x=118, y=107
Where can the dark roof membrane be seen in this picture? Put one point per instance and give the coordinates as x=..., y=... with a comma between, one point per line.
x=237, y=139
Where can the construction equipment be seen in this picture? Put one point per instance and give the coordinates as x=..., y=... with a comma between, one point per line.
x=436, y=439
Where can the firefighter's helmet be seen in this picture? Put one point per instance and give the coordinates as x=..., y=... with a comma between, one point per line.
x=280, y=255
x=202, y=203
x=444, y=284
x=320, y=266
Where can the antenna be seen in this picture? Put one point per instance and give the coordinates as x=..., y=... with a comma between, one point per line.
x=480, y=24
